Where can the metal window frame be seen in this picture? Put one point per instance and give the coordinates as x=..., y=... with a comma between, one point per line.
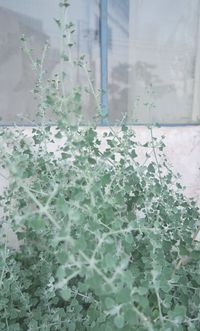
x=104, y=60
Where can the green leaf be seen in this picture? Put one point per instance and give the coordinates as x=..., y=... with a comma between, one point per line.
x=178, y=314
x=65, y=293
x=108, y=328
x=133, y=153
x=62, y=257
x=37, y=223
x=109, y=303
x=72, y=326
x=58, y=135
x=110, y=260
x=91, y=160
x=60, y=273
x=131, y=317
x=61, y=205
x=151, y=168
x=119, y=321
x=50, y=101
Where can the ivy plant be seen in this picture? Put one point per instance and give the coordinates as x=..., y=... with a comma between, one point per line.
x=106, y=241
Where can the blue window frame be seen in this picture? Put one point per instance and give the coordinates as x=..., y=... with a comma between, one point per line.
x=104, y=58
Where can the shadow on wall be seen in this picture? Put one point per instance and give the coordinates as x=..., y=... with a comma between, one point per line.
x=144, y=78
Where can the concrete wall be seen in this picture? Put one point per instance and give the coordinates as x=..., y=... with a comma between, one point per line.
x=182, y=151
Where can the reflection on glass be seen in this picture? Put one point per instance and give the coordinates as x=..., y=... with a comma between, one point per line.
x=153, y=60
x=153, y=63
x=35, y=20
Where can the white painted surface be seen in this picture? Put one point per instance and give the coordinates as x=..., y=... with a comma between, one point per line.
x=182, y=150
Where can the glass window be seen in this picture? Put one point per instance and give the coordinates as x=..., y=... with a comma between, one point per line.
x=154, y=65
x=153, y=57
x=35, y=19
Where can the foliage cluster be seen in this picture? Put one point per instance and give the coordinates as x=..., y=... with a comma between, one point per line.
x=106, y=242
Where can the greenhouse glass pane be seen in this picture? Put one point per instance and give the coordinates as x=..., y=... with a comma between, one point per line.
x=154, y=63
x=35, y=19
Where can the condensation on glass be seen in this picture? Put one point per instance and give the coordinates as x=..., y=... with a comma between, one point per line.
x=154, y=61
x=35, y=19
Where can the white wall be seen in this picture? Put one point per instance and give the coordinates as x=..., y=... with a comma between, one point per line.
x=182, y=151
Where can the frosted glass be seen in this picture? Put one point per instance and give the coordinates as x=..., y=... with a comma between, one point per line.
x=153, y=61
x=35, y=19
